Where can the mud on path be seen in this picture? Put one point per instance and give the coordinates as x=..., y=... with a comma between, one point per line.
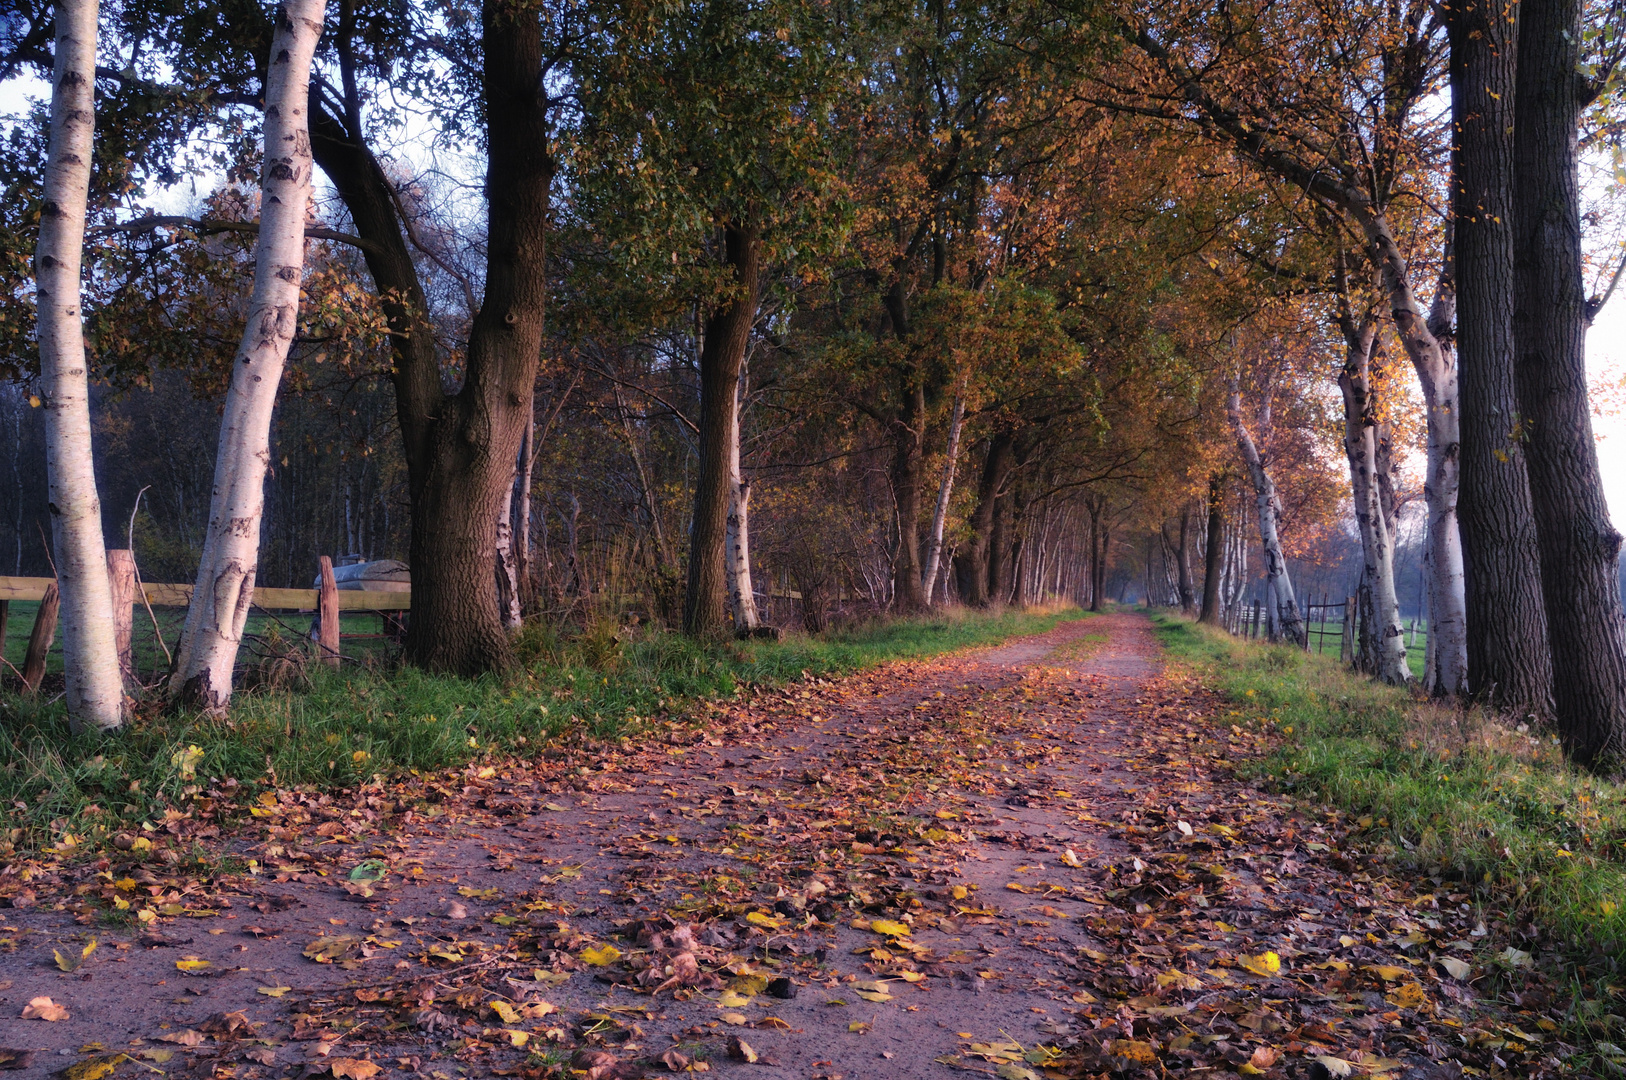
x=1027, y=861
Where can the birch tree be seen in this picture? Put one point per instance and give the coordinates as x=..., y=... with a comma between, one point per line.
x=1285, y=618
x=95, y=688
x=224, y=587
x=945, y=491
x=737, y=530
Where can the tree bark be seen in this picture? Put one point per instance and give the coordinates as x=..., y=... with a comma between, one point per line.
x=908, y=477
x=507, y=568
x=1383, y=648
x=974, y=570
x=737, y=533
x=224, y=587
x=1188, y=593
x=1579, y=547
x=1285, y=618
x=1213, y=562
x=945, y=491
x=522, y=515
x=1508, y=663
x=460, y=448
x=727, y=334
x=95, y=692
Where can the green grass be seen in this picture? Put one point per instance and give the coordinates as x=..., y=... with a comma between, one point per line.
x=1448, y=793
x=343, y=728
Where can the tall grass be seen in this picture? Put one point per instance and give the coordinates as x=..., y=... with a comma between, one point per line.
x=343, y=728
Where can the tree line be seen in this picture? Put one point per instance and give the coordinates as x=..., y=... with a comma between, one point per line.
x=677, y=309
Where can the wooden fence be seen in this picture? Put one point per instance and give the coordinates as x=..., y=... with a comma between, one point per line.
x=325, y=602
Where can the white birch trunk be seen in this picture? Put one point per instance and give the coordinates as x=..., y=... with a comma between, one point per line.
x=507, y=566
x=225, y=582
x=1285, y=620
x=95, y=687
x=945, y=491
x=1437, y=374
x=737, y=528
x=1377, y=547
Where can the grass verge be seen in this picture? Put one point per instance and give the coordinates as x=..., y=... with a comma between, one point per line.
x=1446, y=792
x=344, y=728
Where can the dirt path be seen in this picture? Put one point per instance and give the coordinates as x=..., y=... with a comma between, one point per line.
x=1030, y=860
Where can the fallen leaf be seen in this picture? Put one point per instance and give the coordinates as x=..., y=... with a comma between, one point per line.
x=273, y=991
x=517, y=1038
x=94, y=1068
x=191, y=965
x=70, y=962
x=600, y=955
x=1336, y=1066
x=740, y=1050
x=325, y=950
x=185, y=1037
x=890, y=928
x=1386, y=972
x=353, y=1068
x=43, y=1008
x=264, y=1055
x=505, y=1012
x=1457, y=969
x=1266, y=963
x=1408, y=996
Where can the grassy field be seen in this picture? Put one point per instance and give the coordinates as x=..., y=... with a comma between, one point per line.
x=1448, y=793
x=340, y=728
x=1324, y=639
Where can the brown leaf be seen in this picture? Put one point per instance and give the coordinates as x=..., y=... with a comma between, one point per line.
x=353, y=1068
x=43, y=1008
x=740, y=1050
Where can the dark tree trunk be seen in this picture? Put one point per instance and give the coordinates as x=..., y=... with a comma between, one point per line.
x=972, y=565
x=908, y=461
x=1506, y=633
x=1215, y=556
x=460, y=449
x=728, y=333
x=1002, y=549
x=1579, y=547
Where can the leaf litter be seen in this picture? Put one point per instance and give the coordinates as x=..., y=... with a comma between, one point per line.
x=1034, y=861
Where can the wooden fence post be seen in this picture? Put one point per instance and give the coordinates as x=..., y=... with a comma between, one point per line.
x=327, y=615
x=39, y=641
x=121, y=575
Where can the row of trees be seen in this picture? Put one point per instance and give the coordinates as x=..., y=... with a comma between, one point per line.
x=917, y=301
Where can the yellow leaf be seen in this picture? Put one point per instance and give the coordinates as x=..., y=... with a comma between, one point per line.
x=874, y=995
x=758, y=918
x=1386, y=972
x=506, y=1013
x=948, y=815
x=858, y=1027
x=1070, y=858
x=1409, y=996
x=353, y=1069
x=517, y=1038
x=192, y=964
x=1134, y=1053
x=737, y=1019
x=911, y=976
x=959, y=892
x=600, y=955
x=890, y=928
x=274, y=991
x=94, y=1068
x=186, y=761
x=1266, y=963
x=731, y=1000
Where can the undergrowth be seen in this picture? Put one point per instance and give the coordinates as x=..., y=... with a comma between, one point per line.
x=361, y=723
x=1446, y=792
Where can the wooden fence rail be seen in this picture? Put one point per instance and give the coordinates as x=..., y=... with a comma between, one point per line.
x=163, y=595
